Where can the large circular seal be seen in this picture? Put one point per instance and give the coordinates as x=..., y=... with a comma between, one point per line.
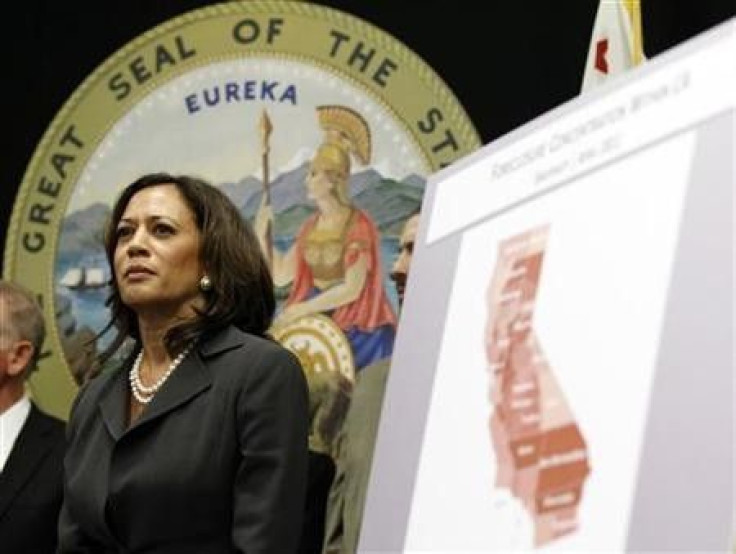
x=246, y=95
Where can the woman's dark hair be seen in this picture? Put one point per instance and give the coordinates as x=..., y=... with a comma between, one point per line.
x=242, y=288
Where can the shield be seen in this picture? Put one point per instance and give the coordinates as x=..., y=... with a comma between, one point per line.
x=320, y=345
x=327, y=359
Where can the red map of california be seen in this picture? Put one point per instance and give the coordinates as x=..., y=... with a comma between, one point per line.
x=542, y=455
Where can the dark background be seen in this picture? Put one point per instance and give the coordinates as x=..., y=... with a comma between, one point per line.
x=506, y=61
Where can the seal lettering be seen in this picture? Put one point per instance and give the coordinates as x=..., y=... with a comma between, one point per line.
x=430, y=125
x=362, y=57
x=149, y=64
x=248, y=31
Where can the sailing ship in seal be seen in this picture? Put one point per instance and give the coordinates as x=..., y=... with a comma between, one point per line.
x=83, y=278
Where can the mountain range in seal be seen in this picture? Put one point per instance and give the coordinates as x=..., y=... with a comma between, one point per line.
x=388, y=201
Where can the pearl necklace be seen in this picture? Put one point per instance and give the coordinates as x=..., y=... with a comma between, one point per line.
x=142, y=393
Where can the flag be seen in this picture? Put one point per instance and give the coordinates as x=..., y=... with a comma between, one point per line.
x=616, y=43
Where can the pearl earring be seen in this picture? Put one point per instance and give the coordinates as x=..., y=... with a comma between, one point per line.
x=205, y=284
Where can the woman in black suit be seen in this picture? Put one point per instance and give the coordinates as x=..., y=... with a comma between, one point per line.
x=198, y=442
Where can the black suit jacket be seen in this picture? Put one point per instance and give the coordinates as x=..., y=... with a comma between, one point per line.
x=31, y=487
x=216, y=463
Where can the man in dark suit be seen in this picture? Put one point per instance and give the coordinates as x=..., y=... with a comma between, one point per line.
x=31, y=442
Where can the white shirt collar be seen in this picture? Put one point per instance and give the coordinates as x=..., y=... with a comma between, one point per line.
x=11, y=422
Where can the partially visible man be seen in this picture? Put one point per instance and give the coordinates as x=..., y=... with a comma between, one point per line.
x=400, y=270
x=347, y=496
x=31, y=442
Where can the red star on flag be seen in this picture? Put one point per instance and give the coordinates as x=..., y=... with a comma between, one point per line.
x=615, y=42
x=601, y=48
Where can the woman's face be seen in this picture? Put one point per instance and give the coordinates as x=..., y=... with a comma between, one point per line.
x=319, y=185
x=157, y=263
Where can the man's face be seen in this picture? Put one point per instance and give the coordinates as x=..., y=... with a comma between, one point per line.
x=400, y=270
x=5, y=342
x=14, y=352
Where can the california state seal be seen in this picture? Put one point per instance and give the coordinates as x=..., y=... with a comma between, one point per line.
x=248, y=95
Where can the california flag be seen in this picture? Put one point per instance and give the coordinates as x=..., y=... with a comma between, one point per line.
x=616, y=42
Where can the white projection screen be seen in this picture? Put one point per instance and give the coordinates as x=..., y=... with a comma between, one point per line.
x=563, y=378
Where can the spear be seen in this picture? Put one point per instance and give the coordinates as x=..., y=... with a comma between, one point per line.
x=265, y=128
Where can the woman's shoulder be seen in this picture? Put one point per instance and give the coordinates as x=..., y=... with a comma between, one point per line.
x=242, y=361
x=307, y=224
x=361, y=216
x=92, y=390
x=362, y=222
x=236, y=342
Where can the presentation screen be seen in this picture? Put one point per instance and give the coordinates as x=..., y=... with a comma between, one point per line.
x=563, y=378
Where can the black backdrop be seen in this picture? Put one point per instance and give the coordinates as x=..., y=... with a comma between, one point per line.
x=507, y=61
